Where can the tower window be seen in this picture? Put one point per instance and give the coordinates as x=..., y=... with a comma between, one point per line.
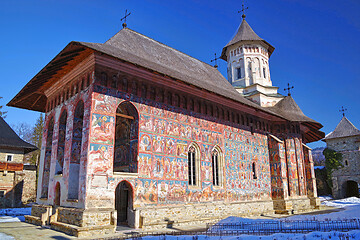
x=264, y=71
x=238, y=73
x=254, y=171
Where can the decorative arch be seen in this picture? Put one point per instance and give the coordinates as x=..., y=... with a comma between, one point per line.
x=47, y=159
x=257, y=67
x=217, y=163
x=74, y=168
x=194, y=176
x=351, y=188
x=126, y=138
x=61, y=143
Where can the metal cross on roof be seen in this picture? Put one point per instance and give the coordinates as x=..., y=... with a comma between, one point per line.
x=243, y=10
x=288, y=89
x=343, y=110
x=215, y=60
x=124, y=18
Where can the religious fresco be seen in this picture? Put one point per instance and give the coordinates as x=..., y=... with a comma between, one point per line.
x=292, y=167
x=242, y=149
x=66, y=154
x=301, y=167
x=48, y=154
x=277, y=169
x=102, y=129
x=61, y=143
x=74, y=169
x=104, y=104
x=309, y=173
x=100, y=158
x=161, y=142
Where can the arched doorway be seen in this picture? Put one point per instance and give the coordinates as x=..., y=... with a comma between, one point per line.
x=57, y=195
x=124, y=204
x=352, y=189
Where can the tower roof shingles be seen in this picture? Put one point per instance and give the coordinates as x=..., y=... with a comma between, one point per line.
x=245, y=33
x=344, y=129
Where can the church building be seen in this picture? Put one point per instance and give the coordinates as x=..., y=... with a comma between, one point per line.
x=139, y=133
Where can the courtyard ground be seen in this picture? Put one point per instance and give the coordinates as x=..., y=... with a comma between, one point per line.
x=12, y=227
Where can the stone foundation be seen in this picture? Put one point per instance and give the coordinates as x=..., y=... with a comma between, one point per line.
x=162, y=217
x=296, y=205
x=81, y=223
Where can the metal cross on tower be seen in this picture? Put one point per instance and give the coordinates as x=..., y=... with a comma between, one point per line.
x=342, y=110
x=215, y=60
x=288, y=89
x=243, y=10
x=124, y=18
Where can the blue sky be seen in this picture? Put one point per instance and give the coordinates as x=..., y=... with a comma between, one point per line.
x=316, y=42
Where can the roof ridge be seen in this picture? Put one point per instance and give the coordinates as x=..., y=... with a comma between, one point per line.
x=345, y=128
x=156, y=41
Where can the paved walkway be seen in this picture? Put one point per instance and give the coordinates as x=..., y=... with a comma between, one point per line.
x=26, y=231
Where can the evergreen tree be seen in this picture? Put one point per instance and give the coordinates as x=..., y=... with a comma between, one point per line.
x=2, y=113
x=37, y=138
x=333, y=161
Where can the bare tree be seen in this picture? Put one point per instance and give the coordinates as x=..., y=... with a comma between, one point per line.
x=2, y=113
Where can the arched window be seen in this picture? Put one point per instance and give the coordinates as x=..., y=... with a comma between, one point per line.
x=217, y=166
x=194, y=165
x=126, y=138
x=74, y=168
x=254, y=171
x=47, y=159
x=61, y=143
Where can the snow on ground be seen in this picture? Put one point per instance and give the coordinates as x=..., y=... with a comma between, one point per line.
x=13, y=214
x=350, y=206
x=4, y=236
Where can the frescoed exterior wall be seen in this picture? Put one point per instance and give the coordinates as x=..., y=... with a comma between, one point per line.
x=119, y=136
x=278, y=169
x=165, y=134
x=75, y=93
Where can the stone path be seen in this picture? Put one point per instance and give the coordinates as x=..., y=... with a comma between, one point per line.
x=26, y=231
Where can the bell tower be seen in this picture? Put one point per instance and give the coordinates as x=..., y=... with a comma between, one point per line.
x=247, y=57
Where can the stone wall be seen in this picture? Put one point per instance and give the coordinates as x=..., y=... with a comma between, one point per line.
x=17, y=155
x=349, y=147
x=19, y=187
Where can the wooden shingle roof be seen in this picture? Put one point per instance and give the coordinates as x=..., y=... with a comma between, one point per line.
x=245, y=33
x=135, y=48
x=9, y=139
x=344, y=129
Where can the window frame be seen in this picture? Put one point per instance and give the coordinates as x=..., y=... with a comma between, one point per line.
x=9, y=155
x=220, y=167
x=196, y=183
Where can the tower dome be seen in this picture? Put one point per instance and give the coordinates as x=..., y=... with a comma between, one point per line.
x=248, y=70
